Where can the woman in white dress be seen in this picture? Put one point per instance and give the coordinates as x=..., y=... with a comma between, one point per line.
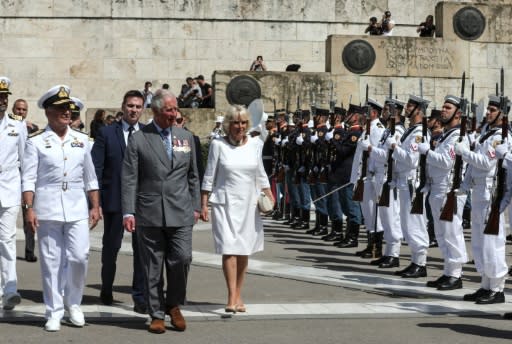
x=234, y=178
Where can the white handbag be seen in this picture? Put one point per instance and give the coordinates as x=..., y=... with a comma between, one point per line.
x=265, y=205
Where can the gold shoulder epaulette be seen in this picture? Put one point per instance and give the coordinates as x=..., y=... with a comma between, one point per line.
x=35, y=133
x=15, y=117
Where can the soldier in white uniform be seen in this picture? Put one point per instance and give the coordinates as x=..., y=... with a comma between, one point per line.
x=389, y=216
x=57, y=176
x=13, y=134
x=374, y=179
x=440, y=161
x=406, y=156
x=488, y=250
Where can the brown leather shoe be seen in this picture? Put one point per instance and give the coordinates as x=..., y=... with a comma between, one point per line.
x=177, y=319
x=157, y=326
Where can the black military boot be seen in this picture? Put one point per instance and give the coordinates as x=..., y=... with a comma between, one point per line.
x=367, y=251
x=336, y=232
x=317, y=223
x=351, y=236
x=323, y=226
x=277, y=214
x=305, y=219
x=298, y=219
x=376, y=247
x=291, y=217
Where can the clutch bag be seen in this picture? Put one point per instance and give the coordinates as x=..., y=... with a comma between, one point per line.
x=265, y=204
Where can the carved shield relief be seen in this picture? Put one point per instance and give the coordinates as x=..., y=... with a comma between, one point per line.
x=469, y=23
x=358, y=56
x=243, y=90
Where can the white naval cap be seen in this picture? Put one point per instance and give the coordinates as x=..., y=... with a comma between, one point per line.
x=5, y=83
x=55, y=96
x=76, y=104
x=219, y=119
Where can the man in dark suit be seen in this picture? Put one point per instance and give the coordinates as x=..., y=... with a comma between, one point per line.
x=160, y=200
x=107, y=154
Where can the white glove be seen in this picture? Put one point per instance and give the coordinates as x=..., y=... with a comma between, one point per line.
x=301, y=169
x=315, y=169
x=286, y=168
x=313, y=138
x=284, y=142
x=299, y=140
x=329, y=135
x=501, y=150
x=365, y=144
x=277, y=140
x=461, y=148
x=390, y=141
x=423, y=147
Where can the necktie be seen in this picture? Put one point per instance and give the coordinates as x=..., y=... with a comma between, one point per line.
x=130, y=131
x=167, y=143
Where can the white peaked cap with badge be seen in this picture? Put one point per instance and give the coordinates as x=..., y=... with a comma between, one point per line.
x=78, y=103
x=5, y=83
x=219, y=119
x=55, y=96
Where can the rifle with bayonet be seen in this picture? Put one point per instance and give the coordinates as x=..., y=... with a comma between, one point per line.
x=359, y=188
x=417, y=202
x=450, y=206
x=384, y=198
x=492, y=226
x=473, y=109
x=299, y=153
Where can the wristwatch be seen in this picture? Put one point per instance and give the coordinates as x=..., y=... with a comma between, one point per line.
x=27, y=206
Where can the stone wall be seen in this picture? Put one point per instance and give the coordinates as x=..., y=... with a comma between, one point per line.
x=102, y=48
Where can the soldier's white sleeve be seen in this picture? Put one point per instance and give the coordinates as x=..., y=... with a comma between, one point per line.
x=22, y=141
x=29, y=167
x=90, y=180
x=407, y=157
x=446, y=158
x=211, y=166
x=379, y=154
x=479, y=160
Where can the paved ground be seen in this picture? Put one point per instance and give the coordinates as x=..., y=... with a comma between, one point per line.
x=298, y=290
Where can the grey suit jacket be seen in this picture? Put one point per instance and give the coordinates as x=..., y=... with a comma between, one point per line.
x=158, y=191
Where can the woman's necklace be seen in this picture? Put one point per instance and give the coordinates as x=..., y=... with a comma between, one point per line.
x=236, y=143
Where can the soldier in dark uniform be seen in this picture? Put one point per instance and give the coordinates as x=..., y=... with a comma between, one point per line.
x=300, y=144
x=318, y=171
x=340, y=202
x=268, y=152
x=283, y=212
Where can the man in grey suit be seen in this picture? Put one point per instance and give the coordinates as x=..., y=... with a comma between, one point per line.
x=160, y=199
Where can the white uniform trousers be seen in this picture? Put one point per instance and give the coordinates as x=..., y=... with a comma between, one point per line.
x=372, y=187
x=390, y=219
x=449, y=235
x=509, y=220
x=414, y=228
x=8, y=218
x=488, y=250
x=64, y=250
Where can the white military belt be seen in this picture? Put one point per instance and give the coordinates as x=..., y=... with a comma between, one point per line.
x=8, y=167
x=64, y=185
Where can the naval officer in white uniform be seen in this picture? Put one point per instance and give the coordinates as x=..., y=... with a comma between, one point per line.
x=13, y=134
x=57, y=176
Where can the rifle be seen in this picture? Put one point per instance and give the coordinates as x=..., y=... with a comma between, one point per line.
x=359, y=189
x=299, y=154
x=492, y=226
x=332, y=104
x=384, y=195
x=417, y=202
x=473, y=109
x=450, y=206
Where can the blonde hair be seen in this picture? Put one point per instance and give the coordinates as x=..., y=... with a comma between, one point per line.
x=234, y=112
